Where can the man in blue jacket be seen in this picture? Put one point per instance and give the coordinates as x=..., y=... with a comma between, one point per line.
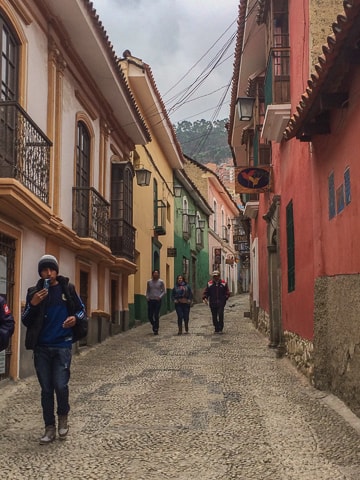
x=216, y=295
x=52, y=315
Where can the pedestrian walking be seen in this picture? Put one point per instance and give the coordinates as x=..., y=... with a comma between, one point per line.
x=182, y=297
x=155, y=290
x=53, y=315
x=7, y=324
x=216, y=295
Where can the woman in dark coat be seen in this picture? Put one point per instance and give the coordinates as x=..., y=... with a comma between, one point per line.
x=182, y=297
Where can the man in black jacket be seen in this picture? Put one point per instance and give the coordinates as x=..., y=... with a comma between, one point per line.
x=52, y=315
x=216, y=295
x=7, y=324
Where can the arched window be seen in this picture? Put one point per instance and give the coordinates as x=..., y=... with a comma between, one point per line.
x=122, y=232
x=122, y=192
x=9, y=92
x=82, y=188
x=199, y=233
x=82, y=156
x=9, y=63
x=215, y=216
x=185, y=217
x=155, y=196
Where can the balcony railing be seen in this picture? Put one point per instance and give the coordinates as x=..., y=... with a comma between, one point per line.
x=122, y=239
x=277, y=78
x=262, y=151
x=225, y=233
x=91, y=213
x=250, y=197
x=160, y=218
x=199, y=238
x=186, y=227
x=24, y=150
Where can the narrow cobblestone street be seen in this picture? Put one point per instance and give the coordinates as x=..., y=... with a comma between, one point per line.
x=198, y=406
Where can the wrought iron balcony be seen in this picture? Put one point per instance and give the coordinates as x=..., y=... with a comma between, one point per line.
x=277, y=78
x=186, y=227
x=225, y=233
x=91, y=213
x=199, y=238
x=24, y=150
x=262, y=150
x=160, y=217
x=122, y=239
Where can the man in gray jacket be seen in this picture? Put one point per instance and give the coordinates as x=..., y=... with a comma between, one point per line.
x=155, y=290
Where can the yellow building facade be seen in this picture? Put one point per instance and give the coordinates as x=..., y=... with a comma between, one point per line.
x=153, y=203
x=68, y=127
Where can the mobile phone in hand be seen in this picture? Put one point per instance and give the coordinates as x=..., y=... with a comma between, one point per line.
x=47, y=283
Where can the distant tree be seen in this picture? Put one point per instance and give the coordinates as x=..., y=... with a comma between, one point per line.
x=203, y=140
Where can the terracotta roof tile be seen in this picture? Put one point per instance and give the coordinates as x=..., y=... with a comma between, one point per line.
x=164, y=111
x=114, y=59
x=331, y=52
x=236, y=64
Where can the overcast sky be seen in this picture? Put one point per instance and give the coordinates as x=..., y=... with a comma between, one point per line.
x=189, y=45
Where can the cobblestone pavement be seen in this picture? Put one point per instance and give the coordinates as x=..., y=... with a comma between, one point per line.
x=198, y=406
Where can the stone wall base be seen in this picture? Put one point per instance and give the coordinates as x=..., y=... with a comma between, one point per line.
x=299, y=350
x=301, y=353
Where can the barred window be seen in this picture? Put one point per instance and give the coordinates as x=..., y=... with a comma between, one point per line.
x=331, y=189
x=290, y=246
x=9, y=63
x=347, y=186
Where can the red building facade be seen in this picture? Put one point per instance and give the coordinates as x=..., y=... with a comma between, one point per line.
x=305, y=262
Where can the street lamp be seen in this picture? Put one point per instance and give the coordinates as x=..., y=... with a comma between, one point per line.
x=191, y=218
x=245, y=107
x=142, y=176
x=177, y=191
x=201, y=223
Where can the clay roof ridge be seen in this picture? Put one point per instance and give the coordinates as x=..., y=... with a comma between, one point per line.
x=236, y=64
x=164, y=111
x=322, y=68
x=114, y=59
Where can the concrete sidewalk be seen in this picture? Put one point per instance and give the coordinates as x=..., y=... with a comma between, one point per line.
x=198, y=406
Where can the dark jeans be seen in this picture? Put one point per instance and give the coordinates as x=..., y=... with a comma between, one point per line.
x=52, y=367
x=217, y=312
x=183, y=313
x=154, y=313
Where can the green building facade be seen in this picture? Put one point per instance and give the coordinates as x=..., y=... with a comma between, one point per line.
x=191, y=235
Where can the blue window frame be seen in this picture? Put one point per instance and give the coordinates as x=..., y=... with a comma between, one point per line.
x=340, y=201
x=331, y=188
x=347, y=186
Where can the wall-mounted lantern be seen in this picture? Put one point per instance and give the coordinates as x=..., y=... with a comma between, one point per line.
x=142, y=176
x=177, y=191
x=245, y=106
x=201, y=223
x=191, y=218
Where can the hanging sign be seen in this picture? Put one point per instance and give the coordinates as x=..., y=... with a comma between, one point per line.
x=253, y=179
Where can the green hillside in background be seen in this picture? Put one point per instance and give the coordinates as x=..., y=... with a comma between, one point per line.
x=203, y=140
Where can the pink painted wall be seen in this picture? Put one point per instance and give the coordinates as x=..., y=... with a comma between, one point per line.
x=260, y=231
x=337, y=248
x=296, y=179
x=296, y=186
x=292, y=175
